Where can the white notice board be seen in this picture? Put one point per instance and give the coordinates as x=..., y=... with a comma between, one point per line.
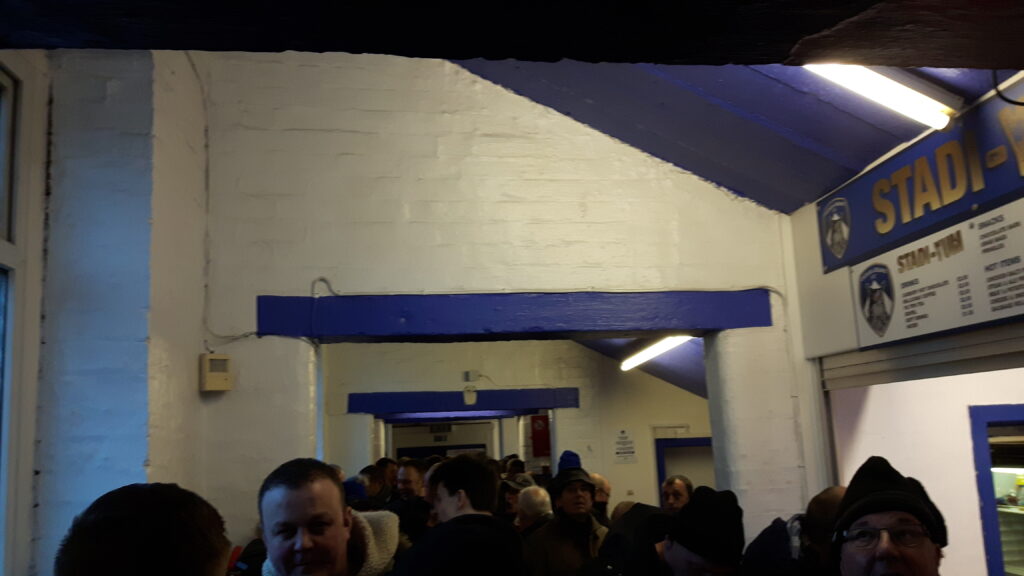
x=969, y=273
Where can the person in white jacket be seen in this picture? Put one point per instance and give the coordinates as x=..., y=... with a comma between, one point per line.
x=308, y=529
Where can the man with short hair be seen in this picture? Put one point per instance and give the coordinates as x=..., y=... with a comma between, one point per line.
x=411, y=506
x=469, y=540
x=533, y=511
x=308, y=529
x=390, y=469
x=706, y=535
x=888, y=525
x=158, y=529
x=675, y=493
x=571, y=540
x=410, y=479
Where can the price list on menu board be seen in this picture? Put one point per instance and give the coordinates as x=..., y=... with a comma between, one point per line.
x=970, y=273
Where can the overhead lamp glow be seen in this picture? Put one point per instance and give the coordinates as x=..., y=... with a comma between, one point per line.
x=1019, y=471
x=653, y=351
x=887, y=92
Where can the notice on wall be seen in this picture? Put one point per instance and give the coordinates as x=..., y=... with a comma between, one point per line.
x=966, y=274
x=625, y=448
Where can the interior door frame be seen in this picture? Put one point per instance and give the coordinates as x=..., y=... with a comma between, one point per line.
x=981, y=418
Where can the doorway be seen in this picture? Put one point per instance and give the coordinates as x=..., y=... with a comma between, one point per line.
x=998, y=436
x=690, y=457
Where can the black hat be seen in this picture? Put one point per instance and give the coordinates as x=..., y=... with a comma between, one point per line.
x=711, y=526
x=567, y=476
x=519, y=481
x=878, y=487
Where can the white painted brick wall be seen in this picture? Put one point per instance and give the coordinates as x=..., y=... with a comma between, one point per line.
x=924, y=429
x=93, y=416
x=393, y=175
x=176, y=445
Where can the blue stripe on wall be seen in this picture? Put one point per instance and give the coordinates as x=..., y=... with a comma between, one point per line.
x=419, y=402
x=492, y=316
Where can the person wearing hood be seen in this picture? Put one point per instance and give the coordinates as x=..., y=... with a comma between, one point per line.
x=308, y=528
x=571, y=540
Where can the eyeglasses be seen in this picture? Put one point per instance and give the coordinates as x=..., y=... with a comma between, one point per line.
x=903, y=536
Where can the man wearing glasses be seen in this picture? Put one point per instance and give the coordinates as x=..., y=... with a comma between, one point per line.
x=888, y=525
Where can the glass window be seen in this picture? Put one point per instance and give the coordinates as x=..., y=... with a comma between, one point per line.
x=6, y=154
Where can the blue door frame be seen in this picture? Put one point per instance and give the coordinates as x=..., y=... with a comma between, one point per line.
x=981, y=418
x=395, y=407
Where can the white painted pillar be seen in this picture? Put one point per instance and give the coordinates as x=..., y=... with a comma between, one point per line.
x=93, y=394
x=755, y=400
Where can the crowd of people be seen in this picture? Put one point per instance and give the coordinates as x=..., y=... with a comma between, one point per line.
x=472, y=515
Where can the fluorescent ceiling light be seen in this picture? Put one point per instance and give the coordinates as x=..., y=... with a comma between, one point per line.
x=653, y=351
x=887, y=92
x=1009, y=470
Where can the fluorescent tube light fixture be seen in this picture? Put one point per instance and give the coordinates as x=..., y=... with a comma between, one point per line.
x=1019, y=471
x=886, y=91
x=653, y=351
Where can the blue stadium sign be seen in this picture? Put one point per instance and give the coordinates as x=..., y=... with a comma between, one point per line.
x=975, y=165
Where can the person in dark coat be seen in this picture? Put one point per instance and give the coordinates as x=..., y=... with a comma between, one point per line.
x=630, y=548
x=570, y=541
x=534, y=511
x=800, y=546
x=706, y=535
x=469, y=540
x=412, y=508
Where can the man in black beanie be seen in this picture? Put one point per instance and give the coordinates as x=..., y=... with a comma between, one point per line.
x=706, y=535
x=888, y=525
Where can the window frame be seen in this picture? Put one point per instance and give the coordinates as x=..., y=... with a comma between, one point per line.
x=8, y=103
x=21, y=256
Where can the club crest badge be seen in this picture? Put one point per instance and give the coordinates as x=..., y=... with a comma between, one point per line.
x=835, y=226
x=876, y=297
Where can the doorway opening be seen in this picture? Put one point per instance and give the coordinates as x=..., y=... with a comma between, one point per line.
x=998, y=436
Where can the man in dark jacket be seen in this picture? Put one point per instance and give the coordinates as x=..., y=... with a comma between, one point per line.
x=706, y=535
x=469, y=540
x=569, y=542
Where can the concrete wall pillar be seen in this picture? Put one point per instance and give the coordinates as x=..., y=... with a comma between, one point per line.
x=756, y=425
x=93, y=398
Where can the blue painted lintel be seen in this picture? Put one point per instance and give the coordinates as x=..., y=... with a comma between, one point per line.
x=507, y=316
x=524, y=399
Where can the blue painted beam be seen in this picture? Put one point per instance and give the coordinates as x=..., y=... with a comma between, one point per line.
x=439, y=317
x=445, y=402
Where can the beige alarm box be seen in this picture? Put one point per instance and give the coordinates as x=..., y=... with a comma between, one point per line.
x=216, y=373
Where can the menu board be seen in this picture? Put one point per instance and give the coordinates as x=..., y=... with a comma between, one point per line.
x=967, y=274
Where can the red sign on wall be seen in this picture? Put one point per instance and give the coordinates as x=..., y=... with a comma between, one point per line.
x=540, y=435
